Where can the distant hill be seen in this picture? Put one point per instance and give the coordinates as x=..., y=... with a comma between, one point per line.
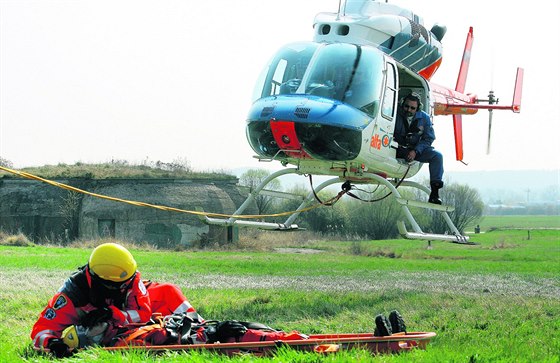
x=512, y=185
x=120, y=169
x=508, y=179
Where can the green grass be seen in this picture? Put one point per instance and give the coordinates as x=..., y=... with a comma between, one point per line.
x=517, y=221
x=496, y=301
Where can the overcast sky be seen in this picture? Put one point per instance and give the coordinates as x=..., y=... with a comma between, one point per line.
x=94, y=81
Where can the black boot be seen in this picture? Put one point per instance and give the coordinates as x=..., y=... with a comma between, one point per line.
x=397, y=322
x=382, y=326
x=434, y=195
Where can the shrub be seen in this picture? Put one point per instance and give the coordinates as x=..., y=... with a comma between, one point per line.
x=19, y=240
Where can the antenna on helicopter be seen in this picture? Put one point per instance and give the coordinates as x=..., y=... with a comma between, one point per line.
x=341, y=9
x=490, y=113
x=339, y=6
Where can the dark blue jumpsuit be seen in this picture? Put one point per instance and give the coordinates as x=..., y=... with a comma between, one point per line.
x=419, y=137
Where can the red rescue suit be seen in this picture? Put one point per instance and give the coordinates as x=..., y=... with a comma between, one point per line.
x=134, y=302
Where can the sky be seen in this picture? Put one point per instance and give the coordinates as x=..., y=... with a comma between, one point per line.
x=142, y=81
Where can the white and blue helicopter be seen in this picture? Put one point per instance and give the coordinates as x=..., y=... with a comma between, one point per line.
x=328, y=106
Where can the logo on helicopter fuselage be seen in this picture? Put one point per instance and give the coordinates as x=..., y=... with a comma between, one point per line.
x=385, y=140
x=377, y=142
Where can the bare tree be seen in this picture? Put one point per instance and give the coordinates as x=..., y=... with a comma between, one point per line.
x=6, y=163
x=468, y=207
x=69, y=210
x=252, y=178
x=375, y=219
x=328, y=219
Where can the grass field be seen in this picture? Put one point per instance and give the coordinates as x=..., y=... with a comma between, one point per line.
x=496, y=301
x=517, y=221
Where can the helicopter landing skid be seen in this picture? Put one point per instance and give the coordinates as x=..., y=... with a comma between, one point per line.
x=255, y=224
x=288, y=225
x=415, y=203
x=454, y=235
x=459, y=239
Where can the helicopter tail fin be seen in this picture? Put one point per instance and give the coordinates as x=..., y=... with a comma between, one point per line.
x=464, y=69
x=516, y=103
x=458, y=132
x=460, y=87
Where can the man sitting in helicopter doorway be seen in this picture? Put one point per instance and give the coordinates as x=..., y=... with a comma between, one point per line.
x=414, y=134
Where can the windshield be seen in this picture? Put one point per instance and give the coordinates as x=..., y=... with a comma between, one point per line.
x=285, y=71
x=344, y=72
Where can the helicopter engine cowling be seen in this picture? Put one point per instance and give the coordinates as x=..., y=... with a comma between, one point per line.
x=394, y=30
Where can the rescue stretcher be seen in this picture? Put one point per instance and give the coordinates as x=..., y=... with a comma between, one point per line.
x=320, y=343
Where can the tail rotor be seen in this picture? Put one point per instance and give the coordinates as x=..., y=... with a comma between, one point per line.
x=490, y=113
x=491, y=100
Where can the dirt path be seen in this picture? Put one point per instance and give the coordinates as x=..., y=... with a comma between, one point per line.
x=426, y=282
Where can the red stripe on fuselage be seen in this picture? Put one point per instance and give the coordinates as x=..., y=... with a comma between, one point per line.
x=429, y=71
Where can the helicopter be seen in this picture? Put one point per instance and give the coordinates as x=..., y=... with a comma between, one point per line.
x=328, y=107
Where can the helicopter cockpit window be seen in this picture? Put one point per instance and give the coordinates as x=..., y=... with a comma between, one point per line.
x=388, y=106
x=331, y=71
x=279, y=72
x=345, y=72
x=286, y=69
x=364, y=89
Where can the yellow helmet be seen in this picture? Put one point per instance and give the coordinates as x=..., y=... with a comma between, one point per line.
x=112, y=262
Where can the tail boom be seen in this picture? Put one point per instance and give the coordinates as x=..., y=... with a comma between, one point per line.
x=449, y=102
